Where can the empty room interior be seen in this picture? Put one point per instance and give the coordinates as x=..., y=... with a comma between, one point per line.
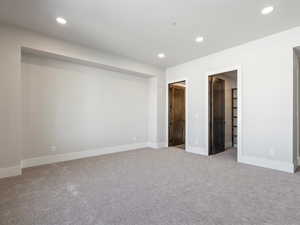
x=149, y=112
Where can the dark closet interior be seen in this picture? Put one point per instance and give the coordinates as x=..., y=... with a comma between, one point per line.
x=222, y=112
x=217, y=115
x=177, y=114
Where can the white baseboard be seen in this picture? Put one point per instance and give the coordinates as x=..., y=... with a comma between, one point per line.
x=10, y=171
x=17, y=170
x=38, y=161
x=197, y=150
x=266, y=163
x=157, y=145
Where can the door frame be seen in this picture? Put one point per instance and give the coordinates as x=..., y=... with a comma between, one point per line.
x=186, y=109
x=239, y=104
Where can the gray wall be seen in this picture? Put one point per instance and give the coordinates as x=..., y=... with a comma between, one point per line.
x=10, y=102
x=298, y=108
x=296, y=100
x=75, y=107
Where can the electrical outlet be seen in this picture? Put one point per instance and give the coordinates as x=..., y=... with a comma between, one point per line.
x=271, y=152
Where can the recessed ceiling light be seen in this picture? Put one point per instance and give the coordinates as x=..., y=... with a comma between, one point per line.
x=61, y=20
x=267, y=10
x=161, y=55
x=199, y=39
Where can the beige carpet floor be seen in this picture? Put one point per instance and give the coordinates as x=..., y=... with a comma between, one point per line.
x=151, y=187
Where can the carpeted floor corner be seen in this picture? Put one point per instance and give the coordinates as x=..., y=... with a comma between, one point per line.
x=151, y=187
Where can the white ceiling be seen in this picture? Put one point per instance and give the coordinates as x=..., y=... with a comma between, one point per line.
x=140, y=29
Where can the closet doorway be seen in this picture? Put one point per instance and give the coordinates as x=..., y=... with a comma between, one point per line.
x=223, y=113
x=177, y=114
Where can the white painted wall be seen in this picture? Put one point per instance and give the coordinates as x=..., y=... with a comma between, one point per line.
x=267, y=97
x=156, y=107
x=12, y=39
x=76, y=108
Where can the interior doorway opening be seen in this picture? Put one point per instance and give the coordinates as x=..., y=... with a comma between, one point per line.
x=177, y=114
x=223, y=113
